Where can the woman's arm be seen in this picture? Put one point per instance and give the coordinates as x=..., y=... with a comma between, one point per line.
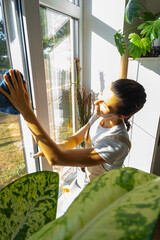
x=70, y=142
x=75, y=139
x=56, y=155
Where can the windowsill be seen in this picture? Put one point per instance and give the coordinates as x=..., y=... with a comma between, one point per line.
x=144, y=58
x=66, y=199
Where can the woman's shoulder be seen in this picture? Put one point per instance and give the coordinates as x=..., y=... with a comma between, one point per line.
x=117, y=137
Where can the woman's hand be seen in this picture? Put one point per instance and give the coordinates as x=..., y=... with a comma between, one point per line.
x=97, y=107
x=38, y=154
x=19, y=95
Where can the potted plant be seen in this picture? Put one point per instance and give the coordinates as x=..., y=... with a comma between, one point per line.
x=138, y=44
x=120, y=204
x=84, y=100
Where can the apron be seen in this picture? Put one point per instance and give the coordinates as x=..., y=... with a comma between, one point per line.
x=92, y=172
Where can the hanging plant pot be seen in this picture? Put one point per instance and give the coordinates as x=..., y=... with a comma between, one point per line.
x=155, y=50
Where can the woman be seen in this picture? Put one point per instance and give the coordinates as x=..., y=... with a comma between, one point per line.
x=107, y=133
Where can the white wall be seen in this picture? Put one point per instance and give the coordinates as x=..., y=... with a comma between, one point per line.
x=153, y=5
x=101, y=59
x=144, y=134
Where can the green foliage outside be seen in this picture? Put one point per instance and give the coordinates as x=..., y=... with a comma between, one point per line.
x=65, y=96
x=12, y=165
x=51, y=42
x=4, y=62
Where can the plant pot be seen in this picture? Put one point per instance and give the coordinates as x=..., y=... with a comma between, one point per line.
x=156, y=43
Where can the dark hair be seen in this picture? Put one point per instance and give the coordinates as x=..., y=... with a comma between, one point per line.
x=132, y=95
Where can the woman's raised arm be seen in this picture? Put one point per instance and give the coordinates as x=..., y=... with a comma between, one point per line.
x=56, y=155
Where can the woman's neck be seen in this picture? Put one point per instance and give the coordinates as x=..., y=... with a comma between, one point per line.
x=109, y=123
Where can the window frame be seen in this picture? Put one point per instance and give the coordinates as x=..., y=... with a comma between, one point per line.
x=63, y=6
x=32, y=49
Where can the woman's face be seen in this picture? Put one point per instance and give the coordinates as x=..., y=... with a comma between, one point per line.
x=107, y=104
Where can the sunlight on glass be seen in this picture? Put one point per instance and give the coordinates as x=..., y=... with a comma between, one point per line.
x=76, y=2
x=57, y=59
x=57, y=46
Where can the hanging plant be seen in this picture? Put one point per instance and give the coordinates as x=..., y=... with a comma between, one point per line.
x=138, y=44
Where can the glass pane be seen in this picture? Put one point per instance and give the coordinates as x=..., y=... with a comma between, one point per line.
x=57, y=49
x=76, y=2
x=12, y=164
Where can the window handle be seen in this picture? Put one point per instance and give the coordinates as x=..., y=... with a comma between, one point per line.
x=159, y=141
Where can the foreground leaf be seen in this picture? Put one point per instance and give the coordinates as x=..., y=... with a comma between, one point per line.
x=120, y=43
x=132, y=217
x=96, y=198
x=131, y=11
x=150, y=29
x=138, y=46
x=28, y=204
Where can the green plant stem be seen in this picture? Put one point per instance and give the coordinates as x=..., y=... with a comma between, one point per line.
x=130, y=29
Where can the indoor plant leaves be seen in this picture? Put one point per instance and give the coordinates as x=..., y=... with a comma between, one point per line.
x=27, y=204
x=100, y=195
x=149, y=26
x=150, y=29
x=147, y=16
x=138, y=46
x=120, y=43
x=131, y=11
x=132, y=216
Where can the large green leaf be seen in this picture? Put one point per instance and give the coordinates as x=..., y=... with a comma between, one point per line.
x=131, y=11
x=120, y=43
x=28, y=204
x=138, y=46
x=150, y=29
x=96, y=199
x=131, y=217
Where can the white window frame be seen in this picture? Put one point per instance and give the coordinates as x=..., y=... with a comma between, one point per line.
x=34, y=51
x=63, y=6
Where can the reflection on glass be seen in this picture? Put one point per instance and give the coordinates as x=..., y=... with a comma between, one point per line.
x=57, y=59
x=12, y=164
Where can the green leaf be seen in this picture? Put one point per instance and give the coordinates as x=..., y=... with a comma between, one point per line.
x=150, y=29
x=27, y=204
x=120, y=43
x=131, y=11
x=138, y=46
x=96, y=200
x=133, y=216
x=157, y=16
x=148, y=16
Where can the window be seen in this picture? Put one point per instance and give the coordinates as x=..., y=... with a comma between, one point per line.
x=12, y=163
x=57, y=61
x=76, y=2
x=58, y=51
x=49, y=71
